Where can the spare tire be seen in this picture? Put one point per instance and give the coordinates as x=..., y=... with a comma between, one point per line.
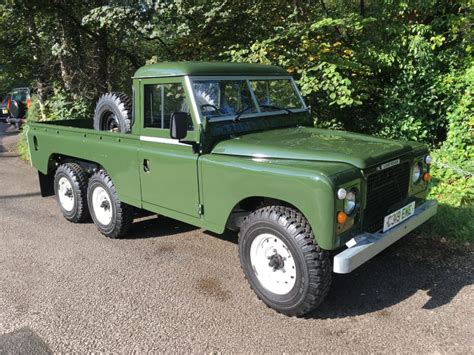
x=17, y=109
x=113, y=113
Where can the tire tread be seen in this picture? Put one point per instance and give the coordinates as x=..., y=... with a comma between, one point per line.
x=124, y=212
x=317, y=259
x=79, y=179
x=122, y=103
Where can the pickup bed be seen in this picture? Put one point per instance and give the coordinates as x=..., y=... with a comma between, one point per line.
x=225, y=145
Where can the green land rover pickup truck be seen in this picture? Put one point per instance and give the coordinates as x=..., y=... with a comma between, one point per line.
x=229, y=145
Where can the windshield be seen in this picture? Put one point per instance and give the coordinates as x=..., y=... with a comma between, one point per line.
x=224, y=98
x=19, y=94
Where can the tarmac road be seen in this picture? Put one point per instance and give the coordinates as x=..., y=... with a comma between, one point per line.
x=169, y=286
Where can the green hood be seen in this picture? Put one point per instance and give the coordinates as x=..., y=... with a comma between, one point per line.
x=312, y=144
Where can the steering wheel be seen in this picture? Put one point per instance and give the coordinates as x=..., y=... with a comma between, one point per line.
x=216, y=109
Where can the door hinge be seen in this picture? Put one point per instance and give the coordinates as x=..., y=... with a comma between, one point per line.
x=200, y=209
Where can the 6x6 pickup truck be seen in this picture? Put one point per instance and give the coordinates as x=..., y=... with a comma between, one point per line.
x=229, y=145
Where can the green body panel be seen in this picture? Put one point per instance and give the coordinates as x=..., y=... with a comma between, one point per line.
x=312, y=144
x=206, y=68
x=117, y=153
x=201, y=179
x=227, y=180
x=171, y=181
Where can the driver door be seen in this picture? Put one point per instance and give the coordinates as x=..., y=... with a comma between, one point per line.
x=168, y=168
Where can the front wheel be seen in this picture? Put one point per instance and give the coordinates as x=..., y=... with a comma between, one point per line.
x=283, y=264
x=112, y=217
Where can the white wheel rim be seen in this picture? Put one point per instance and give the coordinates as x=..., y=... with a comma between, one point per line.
x=66, y=194
x=280, y=278
x=102, y=205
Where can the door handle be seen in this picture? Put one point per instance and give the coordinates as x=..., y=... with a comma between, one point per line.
x=146, y=165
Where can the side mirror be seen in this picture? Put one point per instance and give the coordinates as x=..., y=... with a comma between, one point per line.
x=179, y=125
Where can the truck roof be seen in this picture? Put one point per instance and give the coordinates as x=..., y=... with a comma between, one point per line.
x=208, y=69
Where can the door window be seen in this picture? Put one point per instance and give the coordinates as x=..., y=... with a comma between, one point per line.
x=161, y=101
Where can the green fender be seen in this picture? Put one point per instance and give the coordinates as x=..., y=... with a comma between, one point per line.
x=227, y=180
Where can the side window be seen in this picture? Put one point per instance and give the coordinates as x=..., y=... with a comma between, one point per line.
x=152, y=106
x=161, y=101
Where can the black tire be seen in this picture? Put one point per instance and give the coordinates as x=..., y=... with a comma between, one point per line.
x=17, y=109
x=121, y=213
x=113, y=113
x=78, y=191
x=313, y=266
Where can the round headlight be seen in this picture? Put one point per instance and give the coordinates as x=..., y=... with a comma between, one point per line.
x=350, y=202
x=428, y=160
x=341, y=194
x=416, y=175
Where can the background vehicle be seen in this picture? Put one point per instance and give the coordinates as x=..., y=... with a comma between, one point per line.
x=4, y=107
x=227, y=145
x=18, y=103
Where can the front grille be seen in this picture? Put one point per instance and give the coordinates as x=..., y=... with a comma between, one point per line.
x=385, y=188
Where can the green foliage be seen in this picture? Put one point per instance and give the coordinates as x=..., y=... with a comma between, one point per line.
x=22, y=146
x=34, y=112
x=413, y=109
x=453, y=168
x=317, y=53
x=63, y=106
x=453, y=223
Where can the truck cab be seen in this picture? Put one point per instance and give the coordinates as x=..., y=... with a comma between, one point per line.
x=233, y=145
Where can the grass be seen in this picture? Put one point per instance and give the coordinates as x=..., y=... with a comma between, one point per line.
x=455, y=194
x=22, y=146
x=454, y=224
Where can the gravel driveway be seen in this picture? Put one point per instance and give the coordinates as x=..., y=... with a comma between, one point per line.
x=170, y=286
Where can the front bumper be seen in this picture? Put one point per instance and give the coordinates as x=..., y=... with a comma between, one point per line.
x=367, y=245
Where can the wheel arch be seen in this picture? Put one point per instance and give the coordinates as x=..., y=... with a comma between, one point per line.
x=56, y=159
x=248, y=204
x=251, y=203
x=46, y=176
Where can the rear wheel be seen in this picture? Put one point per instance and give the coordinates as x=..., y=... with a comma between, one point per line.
x=70, y=187
x=283, y=264
x=112, y=217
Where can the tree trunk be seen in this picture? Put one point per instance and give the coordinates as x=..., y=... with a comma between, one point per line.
x=66, y=74
x=103, y=80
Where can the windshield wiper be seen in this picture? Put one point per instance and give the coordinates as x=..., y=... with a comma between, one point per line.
x=276, y=108
x=240, y=113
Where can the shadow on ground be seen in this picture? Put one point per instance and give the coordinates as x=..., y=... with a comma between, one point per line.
x=153, y=226
x=415, y=263
x=23, y=341
x=411, y=265
x=25, y=195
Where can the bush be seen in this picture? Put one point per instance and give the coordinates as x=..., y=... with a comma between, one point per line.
x=63, y=105
x=59, y=106
x=453, y=167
